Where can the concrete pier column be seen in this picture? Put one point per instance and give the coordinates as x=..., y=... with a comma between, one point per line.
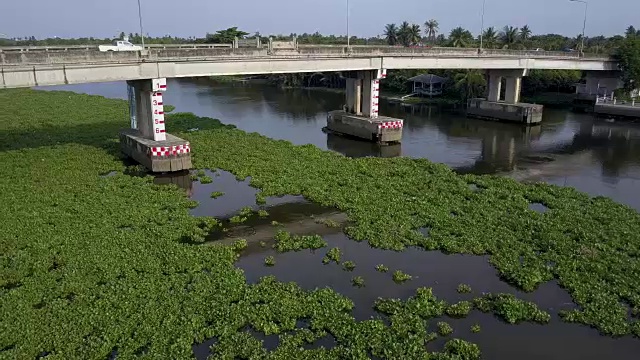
x=148, y=108
x=510, y=109
x=494, y=85
x=147, y=141
x=363, y=92
x=354, y=96
x=512, y=91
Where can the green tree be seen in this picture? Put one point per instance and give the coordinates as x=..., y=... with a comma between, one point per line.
x=404, y=33
x=631, y=31
x=509, y=37
x=470, y=83
x=460, y=37
x=391, y=34
x=431, y=28
x=525, y=33
x=490, y=38
x=226, y=36
x=628, y=56
x=414, y=34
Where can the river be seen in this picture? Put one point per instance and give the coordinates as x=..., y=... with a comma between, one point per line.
x=568, y=149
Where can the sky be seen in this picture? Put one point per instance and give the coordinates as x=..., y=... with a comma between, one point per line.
x=76, y=18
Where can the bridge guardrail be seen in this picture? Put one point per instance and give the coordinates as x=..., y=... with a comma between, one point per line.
x=208, y=52
x=95, y=47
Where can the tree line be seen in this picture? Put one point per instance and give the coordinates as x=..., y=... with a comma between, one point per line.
x=509, y=37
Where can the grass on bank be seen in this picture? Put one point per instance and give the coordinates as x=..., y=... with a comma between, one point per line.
x=90, y=265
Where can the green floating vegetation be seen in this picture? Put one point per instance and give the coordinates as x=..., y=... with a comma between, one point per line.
x=475, y=328
x=89, y=264
x=464, y=289
x=269, y=261
x=238, y=219
x=204, y=226
x=263, y=213
x=423, y=304
x=381, y=268
x=246, y=211
x=201, y=173
x=275, y=223
x=216, y=194
x=239, y=245
x=168, y=108
x=400, y=277
x=511, y=309
x=526, y=248
x=459, y=310
x=263, y=244
x=335, y=254
x=357, y=281
x=328, y=223
x=349, y=265
x=286, y=242
x=205, y=179
x=462, y=349
x=261, y=199
x=444, y=329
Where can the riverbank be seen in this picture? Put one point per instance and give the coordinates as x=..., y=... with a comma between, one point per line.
x=96, y=261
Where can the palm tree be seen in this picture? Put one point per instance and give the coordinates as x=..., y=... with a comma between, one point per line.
x=414, y=34
x=470, y=82
x=578, y=42
x=509, y=37
x=490, y=37
x=631, y=31
x=460, y=37
x=391, y=34
x=404, y=33
x=431, y=28
x=525, y=33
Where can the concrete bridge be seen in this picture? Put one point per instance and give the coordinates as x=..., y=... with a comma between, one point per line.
x=364, y=66
x=39, y=66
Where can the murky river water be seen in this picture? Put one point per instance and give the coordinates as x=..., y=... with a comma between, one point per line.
x=598, y=157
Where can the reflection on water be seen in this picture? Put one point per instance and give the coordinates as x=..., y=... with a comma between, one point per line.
x=358, y=148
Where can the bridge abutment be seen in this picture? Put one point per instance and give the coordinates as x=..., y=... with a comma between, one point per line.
x=360, y=116
x=510, y=109
x=147, y=141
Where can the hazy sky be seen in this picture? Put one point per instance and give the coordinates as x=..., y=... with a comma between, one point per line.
x=73, y=18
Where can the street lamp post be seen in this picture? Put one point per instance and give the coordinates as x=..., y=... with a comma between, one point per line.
x=482, y=24
x=348, y=39
x=140, y=18
x=584, y=24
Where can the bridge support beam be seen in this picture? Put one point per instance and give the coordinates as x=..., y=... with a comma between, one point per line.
x=147, y=141
x=360, y=116
x=510, y=109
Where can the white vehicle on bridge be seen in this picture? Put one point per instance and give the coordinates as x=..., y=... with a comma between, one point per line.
x=120, y=45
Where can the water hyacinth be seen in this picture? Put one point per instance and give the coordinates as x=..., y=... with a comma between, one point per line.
x=89, y=263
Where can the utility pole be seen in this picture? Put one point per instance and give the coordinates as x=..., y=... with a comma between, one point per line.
x=140, y=18
x=584, y=24
x=348, y=37
x=482, y=24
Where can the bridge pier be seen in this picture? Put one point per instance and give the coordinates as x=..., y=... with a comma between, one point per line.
x=510, y=109
x=360, y=116
x=147, y=141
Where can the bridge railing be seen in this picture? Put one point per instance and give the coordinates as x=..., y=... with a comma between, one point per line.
x=84, y=55
x=95, y=47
